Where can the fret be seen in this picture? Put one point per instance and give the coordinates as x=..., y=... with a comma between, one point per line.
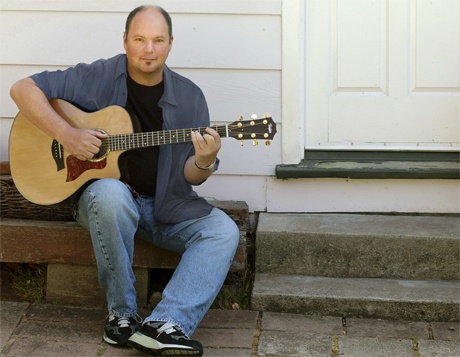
x=156, y=138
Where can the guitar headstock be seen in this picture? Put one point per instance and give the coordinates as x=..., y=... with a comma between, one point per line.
x=254, y=129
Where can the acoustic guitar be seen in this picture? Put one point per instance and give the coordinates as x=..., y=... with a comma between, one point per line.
x=45, y=174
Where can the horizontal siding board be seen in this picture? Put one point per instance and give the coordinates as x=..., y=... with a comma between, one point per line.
x=250, y=189
x=9, y=75
x=248, y=159
x=239, y=41
x=229, y=93
x=5, y=127
x=66, y=38
x=172, y=6
x=362, y=195
x=51, y=38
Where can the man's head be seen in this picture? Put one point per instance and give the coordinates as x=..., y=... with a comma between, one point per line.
x=147, y=41
x=133, y=13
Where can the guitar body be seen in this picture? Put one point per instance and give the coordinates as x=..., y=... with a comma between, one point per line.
x=43, y=172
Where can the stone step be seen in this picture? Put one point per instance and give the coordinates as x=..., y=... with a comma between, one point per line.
x=359, y=245
x=357, y=297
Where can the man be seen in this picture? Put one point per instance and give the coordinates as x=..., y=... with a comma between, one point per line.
x=154, y=197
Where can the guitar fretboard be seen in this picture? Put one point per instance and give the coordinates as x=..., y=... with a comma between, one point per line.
x=156, y=138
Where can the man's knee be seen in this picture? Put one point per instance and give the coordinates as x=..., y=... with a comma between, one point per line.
x=101, y=195
x=230, y=231
x=107, y=190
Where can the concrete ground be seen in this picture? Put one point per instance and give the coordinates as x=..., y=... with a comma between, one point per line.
x=55, y=330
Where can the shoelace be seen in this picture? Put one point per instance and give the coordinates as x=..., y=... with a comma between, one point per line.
x=123, y=322
x=167, y=328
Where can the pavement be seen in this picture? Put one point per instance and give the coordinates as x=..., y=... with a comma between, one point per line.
x=55, y=330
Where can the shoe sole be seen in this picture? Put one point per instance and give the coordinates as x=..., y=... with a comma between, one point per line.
x=152, y=347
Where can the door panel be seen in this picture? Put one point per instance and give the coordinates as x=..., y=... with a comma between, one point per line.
x=383, y=74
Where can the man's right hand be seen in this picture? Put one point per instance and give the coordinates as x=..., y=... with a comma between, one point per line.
x=82, y=143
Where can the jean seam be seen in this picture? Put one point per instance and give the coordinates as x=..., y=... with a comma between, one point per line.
x=101, y=245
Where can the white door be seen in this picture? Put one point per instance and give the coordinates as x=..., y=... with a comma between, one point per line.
x=382, y=74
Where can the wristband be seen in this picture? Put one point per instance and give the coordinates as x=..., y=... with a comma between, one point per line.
x=205, y=168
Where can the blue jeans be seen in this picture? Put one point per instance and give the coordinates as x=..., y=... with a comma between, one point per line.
x=113, y=213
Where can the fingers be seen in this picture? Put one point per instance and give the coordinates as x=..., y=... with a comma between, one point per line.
x=210, y=139
x=98, y=134
x=85, y=144
x=206, y=146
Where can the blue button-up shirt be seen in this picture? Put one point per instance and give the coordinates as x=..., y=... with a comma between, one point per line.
x=103, y=83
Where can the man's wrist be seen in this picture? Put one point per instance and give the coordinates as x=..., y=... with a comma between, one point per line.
x=205, y=168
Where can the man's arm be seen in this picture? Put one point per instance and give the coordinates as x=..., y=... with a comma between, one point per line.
x=34, y=104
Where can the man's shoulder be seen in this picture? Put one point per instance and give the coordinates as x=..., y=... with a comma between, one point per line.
x=180, y=79
x=116, y=63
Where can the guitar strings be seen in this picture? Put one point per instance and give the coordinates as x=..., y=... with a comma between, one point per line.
x=154, y=138
x=146, y=139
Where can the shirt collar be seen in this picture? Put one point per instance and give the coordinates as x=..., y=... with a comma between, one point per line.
x=169, y=95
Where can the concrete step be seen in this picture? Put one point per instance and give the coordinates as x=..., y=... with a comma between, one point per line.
x=359, y=246
x=357, y=297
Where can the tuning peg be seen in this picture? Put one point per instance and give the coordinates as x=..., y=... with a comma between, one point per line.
x=268, y=143
x=240, y=117
x=254, y=116
x=266, y=115
x=242, y=142
x=255, y=142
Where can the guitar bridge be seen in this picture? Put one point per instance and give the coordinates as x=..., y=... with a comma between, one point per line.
x=57, y=151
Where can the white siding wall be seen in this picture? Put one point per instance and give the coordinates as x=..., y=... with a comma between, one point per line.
x=231, y=49
x=249, y=57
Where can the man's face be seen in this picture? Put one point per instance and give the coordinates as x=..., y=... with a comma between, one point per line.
x=147, y=46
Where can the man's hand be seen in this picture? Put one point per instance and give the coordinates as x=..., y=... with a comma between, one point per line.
x=83, y=143
x=206, y=147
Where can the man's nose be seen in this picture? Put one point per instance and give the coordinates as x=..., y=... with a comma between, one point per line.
x=149, y=47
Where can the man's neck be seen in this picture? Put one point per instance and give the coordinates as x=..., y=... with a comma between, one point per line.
x=146, y=79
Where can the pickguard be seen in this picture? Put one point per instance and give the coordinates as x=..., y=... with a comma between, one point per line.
x=77, y=167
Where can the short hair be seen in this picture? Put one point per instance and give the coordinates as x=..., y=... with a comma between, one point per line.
x=145, y=7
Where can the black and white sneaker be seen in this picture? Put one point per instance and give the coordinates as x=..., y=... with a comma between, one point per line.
x=158, y=338
x=119, y=329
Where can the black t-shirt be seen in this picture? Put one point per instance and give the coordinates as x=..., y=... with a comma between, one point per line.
x=139, y=166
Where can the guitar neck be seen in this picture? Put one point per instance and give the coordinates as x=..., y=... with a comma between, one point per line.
x=156, y=138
